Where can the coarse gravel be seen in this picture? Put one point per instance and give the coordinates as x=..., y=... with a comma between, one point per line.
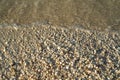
x=56, y=53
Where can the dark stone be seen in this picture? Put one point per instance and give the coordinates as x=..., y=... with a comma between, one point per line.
x=101, y=67
x=99, y=51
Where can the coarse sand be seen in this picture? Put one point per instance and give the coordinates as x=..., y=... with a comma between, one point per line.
x=56, y=53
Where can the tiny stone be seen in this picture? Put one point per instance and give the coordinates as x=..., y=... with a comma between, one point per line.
x=67, y=67
x=118, y=48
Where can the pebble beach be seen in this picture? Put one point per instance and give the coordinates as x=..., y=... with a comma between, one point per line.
x=51, y=53
x=59, y=39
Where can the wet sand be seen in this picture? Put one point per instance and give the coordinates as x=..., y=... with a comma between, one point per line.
x=92, y=14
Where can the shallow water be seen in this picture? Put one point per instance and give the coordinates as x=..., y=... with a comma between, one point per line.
x=90, y=14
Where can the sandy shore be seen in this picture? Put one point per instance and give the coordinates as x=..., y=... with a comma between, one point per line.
x=52, y=53
x=83, y=44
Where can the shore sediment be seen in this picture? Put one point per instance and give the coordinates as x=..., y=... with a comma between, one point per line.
x=55, y=53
